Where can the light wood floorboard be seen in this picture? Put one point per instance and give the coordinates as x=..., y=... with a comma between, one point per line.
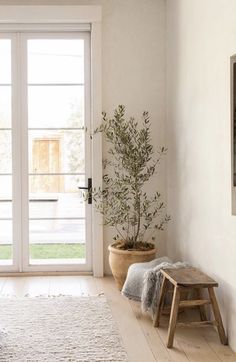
x=132, y=335
x=2, y=282
x=142, y=341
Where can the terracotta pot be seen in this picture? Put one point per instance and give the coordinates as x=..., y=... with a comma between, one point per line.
x=120, y=260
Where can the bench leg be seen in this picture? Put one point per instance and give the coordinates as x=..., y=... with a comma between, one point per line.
x=156, y=320
x=173, y=317
x=217, y=315
x=201, y=308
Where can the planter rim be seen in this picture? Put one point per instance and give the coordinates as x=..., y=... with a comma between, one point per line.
x=132, y=252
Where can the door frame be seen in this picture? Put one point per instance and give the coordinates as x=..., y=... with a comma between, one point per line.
x=68, y=18
x=24, y=37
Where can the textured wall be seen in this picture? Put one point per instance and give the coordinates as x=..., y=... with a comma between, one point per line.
x=201, y=37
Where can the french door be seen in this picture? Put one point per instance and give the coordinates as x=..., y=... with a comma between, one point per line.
x=45, y=224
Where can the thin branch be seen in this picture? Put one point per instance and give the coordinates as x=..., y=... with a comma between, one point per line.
x=119, y=232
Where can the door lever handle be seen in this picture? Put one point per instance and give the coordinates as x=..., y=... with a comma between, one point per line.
x=89, y=188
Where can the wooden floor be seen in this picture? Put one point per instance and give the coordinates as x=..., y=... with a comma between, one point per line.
x=142, y=341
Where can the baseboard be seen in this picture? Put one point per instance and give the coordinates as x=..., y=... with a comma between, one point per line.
x=44, y=273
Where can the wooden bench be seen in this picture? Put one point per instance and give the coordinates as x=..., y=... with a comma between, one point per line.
x=184, y=280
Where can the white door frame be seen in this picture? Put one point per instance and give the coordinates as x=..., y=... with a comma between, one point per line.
x=24, y=265
x=32, y=18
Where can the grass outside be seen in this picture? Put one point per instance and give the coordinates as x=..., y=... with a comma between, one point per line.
x=48, y=251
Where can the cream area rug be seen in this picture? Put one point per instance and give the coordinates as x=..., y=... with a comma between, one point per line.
x=75, y=329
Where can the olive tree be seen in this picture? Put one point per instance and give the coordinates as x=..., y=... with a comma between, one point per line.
x=124, y=201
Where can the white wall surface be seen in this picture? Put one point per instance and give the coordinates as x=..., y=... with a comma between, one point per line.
x=133, y=66
x=201, y=37
x=133, y=61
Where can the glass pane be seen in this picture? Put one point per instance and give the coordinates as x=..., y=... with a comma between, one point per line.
x=5, y=106
x=67, y=202
x=56, y=151
x=5, y=61
x=5, y=188
x=55, y=61
x=5, y=152
x=57, y=241
x=55, y=106
x=5, y=242
x=5, y=209
x=49, y=187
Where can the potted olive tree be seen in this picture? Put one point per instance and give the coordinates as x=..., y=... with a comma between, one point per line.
x=135, y=213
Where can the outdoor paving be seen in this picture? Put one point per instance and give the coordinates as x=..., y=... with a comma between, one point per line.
x=67, y=205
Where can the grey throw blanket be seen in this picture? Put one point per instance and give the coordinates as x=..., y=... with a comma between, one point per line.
x=152, y=285
x=133, y=285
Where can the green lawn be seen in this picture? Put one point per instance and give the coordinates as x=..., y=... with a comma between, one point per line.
x=48, y=251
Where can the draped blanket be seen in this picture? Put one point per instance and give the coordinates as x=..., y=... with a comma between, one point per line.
x=152, y=284
x=133, y=286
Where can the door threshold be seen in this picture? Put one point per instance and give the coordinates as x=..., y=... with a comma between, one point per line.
x=45, y=273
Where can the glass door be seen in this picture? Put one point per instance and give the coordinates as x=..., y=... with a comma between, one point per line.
x=6, y=212
x=58, y=160
x=53, y=90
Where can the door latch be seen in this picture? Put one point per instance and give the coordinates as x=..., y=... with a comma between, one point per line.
x=89, y=188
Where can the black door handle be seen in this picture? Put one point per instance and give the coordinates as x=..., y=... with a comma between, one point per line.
x=89, y=188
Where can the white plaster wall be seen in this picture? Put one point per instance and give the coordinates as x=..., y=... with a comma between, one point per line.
x=134, y=69
x=201, y=37
x=133, y=66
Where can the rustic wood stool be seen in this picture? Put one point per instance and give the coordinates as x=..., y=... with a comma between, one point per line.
x=187, y=279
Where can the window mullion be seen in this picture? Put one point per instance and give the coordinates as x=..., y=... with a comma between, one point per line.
x=24, y=151
x=16, y=153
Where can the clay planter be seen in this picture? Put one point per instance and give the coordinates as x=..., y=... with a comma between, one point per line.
x=120, y=260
